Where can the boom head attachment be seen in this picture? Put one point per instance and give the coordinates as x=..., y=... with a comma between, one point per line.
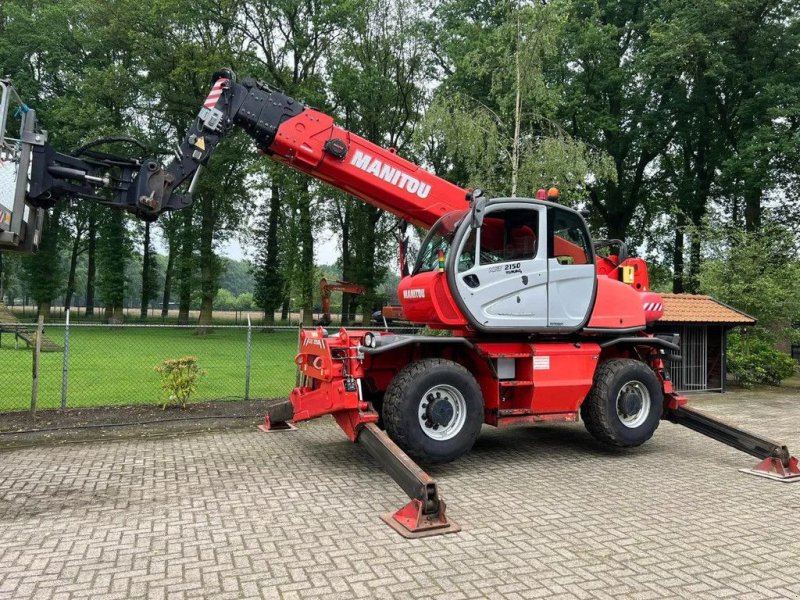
x=20, y=222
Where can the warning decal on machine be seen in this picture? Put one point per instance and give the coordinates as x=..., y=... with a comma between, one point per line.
x=541, y=363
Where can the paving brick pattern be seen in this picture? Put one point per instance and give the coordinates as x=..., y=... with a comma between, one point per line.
x=545, y=513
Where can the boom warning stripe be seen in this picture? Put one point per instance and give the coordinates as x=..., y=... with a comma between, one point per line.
x=215, y=93
x=653, y=306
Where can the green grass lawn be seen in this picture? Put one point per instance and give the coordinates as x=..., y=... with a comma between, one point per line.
x=115, y=366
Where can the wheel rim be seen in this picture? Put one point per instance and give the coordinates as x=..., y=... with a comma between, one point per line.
x=633, y=404
x=442, y=412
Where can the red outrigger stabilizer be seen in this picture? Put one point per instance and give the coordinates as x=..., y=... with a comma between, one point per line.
x=329, y=384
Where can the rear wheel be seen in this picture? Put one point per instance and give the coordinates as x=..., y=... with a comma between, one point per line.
x=625, y=403
x=433, y=410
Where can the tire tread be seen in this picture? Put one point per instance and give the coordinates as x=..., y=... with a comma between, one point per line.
x=595, y=409
x=393, y=405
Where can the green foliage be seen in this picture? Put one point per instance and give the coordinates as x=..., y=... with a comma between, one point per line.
x=224, y=300
x=44, y=271
x=179, y=377
x=113, y=250
x=491, y=141
x=670, y=116
x=236, y=276
x=244, y=302
x=755, y=360
x=758, y=273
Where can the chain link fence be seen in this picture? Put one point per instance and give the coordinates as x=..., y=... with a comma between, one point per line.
x=92, y=365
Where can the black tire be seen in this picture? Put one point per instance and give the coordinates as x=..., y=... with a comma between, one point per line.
x=601, y=409
x=407, y=396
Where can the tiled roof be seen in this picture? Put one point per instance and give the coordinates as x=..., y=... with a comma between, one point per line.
x=692, y=308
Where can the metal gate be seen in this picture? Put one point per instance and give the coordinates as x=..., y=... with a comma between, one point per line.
x=692, y=374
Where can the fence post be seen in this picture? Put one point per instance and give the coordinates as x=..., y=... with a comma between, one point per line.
x=65, y=367
x=37, y=349
x=247, y=359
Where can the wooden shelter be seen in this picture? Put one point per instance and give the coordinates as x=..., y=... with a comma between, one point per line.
x=703, y=324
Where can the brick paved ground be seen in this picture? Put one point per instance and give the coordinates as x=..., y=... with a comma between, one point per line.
x=545, y=514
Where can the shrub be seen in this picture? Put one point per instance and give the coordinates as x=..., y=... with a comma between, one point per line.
x=179, y=377
x=754, y=360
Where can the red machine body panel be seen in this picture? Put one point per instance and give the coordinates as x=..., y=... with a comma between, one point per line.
x=378, y=176
x=426, y=298
x=617, y=306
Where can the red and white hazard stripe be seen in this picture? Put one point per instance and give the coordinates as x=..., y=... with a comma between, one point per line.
x=215, y=93
x=653, y=306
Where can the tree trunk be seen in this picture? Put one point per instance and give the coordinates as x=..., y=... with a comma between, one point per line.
x=147, y=278
x=677, y=257
x=91, y=265
x=307, y=259
x=694, y=261
x=273, y=272
x=44, y=309
x=346, y=261
x=73, y=264
x=370, y=277
x=207, y=263
x=285, y=309
x=185, y=268
x=168, y=279
x=752, y=209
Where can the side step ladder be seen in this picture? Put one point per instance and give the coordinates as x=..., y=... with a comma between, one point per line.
x=776, y=461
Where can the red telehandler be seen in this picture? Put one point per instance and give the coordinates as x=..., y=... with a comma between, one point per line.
x=541, y=328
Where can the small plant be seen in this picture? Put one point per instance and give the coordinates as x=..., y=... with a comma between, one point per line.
x=179, y=377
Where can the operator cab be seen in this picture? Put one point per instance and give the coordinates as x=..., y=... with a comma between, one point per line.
x=510, y=264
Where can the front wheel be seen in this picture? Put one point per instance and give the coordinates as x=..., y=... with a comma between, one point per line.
x=433, y=410
x=625, y=403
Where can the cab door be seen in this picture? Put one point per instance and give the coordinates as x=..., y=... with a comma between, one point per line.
x=572, y=273
x=501, y=268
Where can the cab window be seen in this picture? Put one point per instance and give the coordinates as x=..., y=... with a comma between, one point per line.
x=508, y=235
x=570, y=243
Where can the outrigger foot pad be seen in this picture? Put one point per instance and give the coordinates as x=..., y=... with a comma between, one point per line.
x=278, y=417
x=412, y=522
x=269, y=427
x=774, y=468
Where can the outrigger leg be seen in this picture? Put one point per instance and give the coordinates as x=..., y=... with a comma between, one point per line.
x=424, y=515
x=776, y=461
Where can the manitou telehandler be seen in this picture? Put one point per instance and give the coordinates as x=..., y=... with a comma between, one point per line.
x=541, y=328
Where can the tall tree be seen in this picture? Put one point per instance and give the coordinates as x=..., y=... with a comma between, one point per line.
x=292, y=40
x=616, y=99
x=112, y=255
x=91, y=260
x=44, y=270
x=376, y=79
x=78, y=224
x=149, y=273
x=733, y=107
x=170, y=226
